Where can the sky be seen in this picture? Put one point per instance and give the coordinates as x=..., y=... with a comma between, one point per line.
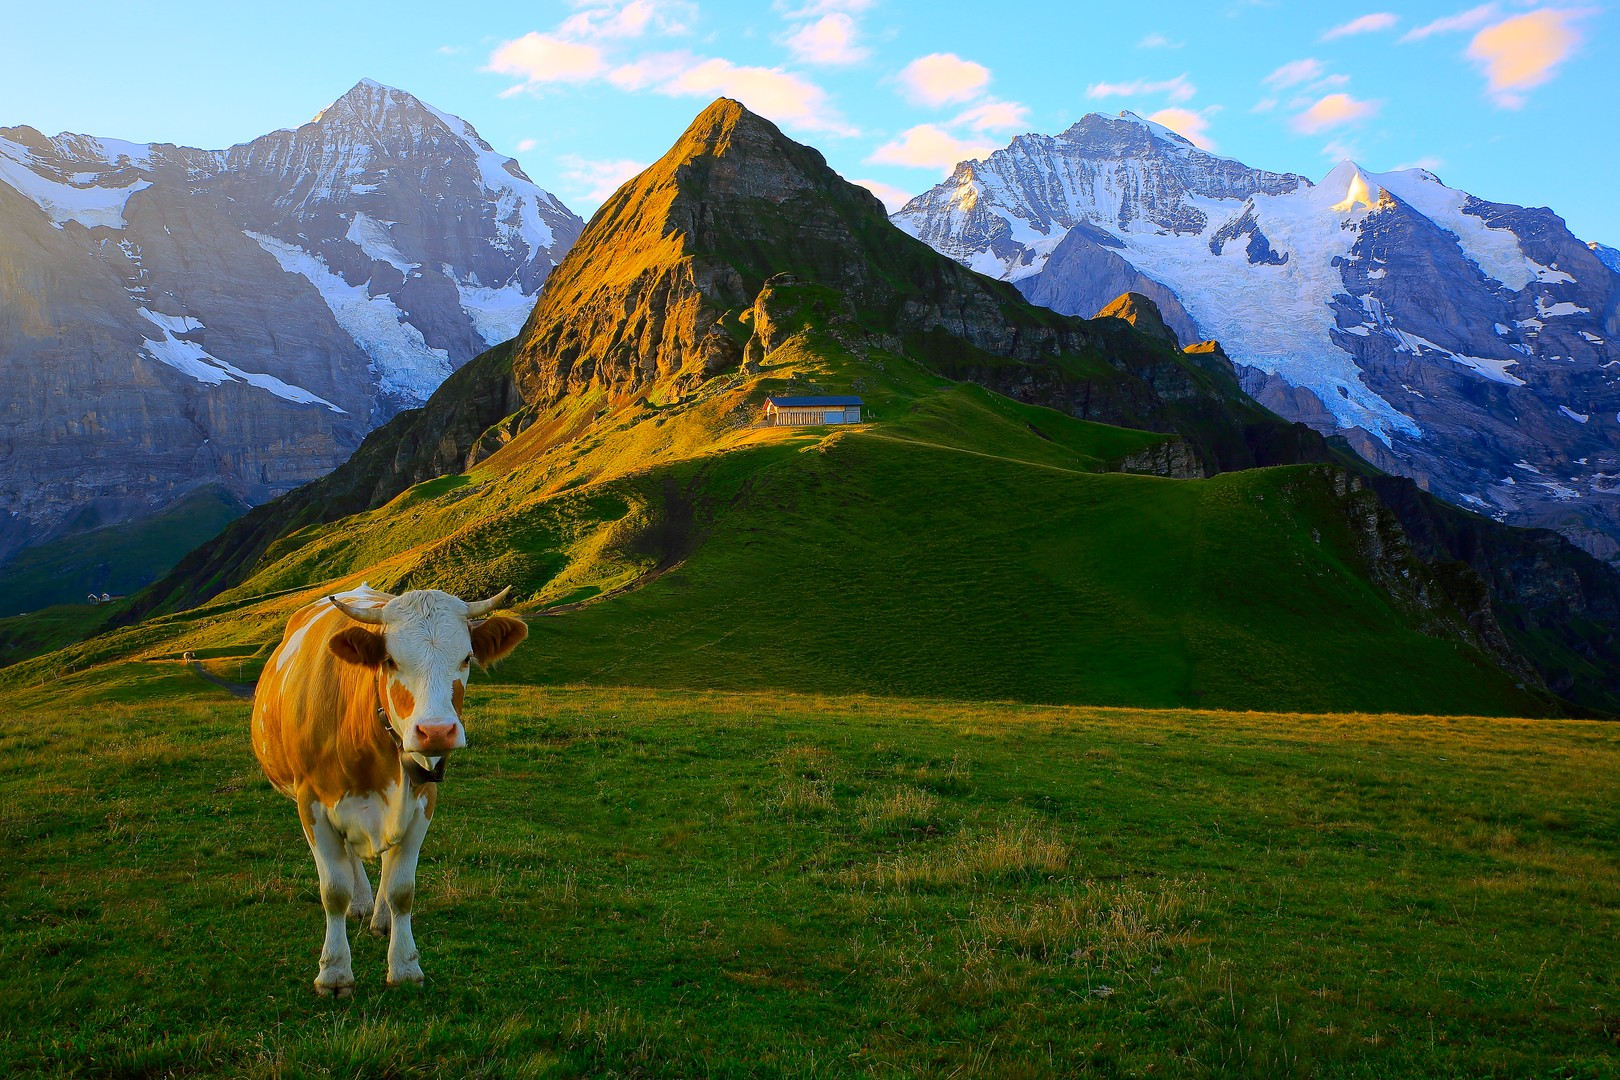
x=1513, y=101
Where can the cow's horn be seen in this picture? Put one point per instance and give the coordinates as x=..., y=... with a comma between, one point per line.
x=477, y=609
x=371, y=615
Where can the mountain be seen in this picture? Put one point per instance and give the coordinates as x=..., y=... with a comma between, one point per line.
x=986, y=534
x=174, y=319
x=1460, y=342
x=1607, y=255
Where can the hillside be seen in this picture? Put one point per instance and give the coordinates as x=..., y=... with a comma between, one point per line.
x=985, y=535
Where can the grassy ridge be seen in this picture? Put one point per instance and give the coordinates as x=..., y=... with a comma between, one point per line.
x=626, y=882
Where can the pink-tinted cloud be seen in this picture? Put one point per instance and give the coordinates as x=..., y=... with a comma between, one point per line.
x=1471, y=19
x=1334, y=110
x=928, y=147
x=595, y=181
x=1178, y=89
x=1366, y=24
x=943, y=79
x=893, y=198
x=629, y=19
x=1521, y=53
x=771, y=92
x=994, y=116
x=544, y=58
x=1294, y=73
x=831, y=39
x=1190, y=125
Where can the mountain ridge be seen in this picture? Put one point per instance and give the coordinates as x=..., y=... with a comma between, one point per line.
x=633, y=466
x=1448, y=338
x=178, y=317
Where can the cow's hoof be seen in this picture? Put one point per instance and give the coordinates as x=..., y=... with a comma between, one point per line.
x=335, y=984
x=379, y=925
x=411, y=976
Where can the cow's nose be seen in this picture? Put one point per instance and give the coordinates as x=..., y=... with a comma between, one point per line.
x=437, y=738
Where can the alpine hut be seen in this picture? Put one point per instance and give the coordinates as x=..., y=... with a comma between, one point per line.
x=798, y=411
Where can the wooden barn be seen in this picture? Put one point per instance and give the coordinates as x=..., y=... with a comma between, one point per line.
x=798, y=411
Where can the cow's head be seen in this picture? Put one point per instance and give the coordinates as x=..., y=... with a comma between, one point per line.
x=422, y=644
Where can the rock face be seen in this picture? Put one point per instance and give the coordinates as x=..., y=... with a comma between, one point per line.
x=173, y=317
x=1459, y=342
x=671, y=282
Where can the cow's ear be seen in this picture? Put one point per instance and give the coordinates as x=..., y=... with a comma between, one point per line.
x=357, y=645
x=495, y=637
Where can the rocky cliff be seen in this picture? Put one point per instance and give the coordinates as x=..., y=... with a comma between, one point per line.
x=172, y=318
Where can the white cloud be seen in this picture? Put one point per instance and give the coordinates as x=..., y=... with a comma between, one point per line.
x=1158, y=41
x=814, y=8
x=650, y=69
x=1334, y=110
x=1294, y=72
x=1431, y=164
x=831, y=39
x=450, y=50
x=630, y=19
x=994, y=116
x=1190, y=125
x=771, y=92
x=1336, y=150
x=1366, y=24
x=1521, y=53
x=1178, y=89
x=927, y=146
x=596, y=181
x=1471, y=19
x=893, y=198
x=943, y=79
x=543, y=58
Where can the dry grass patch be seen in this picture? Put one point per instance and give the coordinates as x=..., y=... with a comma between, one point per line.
x=1100, y=925
x=1007, y=850
x=905, y=808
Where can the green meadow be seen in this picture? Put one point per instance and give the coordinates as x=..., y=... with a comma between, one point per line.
x=633, y=882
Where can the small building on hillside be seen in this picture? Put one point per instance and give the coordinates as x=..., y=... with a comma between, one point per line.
x=798, y=411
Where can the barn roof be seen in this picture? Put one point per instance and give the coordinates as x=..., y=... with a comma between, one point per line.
x=812, y=402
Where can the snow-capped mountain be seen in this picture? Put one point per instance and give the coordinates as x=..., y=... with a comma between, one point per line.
x=1461, y=342
x=1607, y=255
x=173, y=317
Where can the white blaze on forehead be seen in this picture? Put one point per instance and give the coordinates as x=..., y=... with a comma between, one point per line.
x=428, y=638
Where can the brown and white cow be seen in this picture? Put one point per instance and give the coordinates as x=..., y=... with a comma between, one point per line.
x=353, y=718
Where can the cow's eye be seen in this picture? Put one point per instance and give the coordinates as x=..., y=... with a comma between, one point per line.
x=467, y=662
x=388, y=662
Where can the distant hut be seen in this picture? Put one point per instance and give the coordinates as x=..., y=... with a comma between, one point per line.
x=799, y=411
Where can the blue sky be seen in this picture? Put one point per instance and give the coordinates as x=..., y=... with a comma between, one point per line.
x=1513, y=101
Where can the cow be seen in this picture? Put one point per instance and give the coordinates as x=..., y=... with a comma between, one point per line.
x=354, y=717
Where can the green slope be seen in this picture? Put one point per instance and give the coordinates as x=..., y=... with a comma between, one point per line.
x=968, y=542
x=114, y=558
x=878, y=564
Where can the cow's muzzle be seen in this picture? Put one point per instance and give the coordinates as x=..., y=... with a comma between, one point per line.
x=436, y=738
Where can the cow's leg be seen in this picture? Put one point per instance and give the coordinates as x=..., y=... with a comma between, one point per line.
x=360, y=904
x=337, y=889
x=397, y=888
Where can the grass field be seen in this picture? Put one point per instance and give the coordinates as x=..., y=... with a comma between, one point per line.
x=652, y=883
